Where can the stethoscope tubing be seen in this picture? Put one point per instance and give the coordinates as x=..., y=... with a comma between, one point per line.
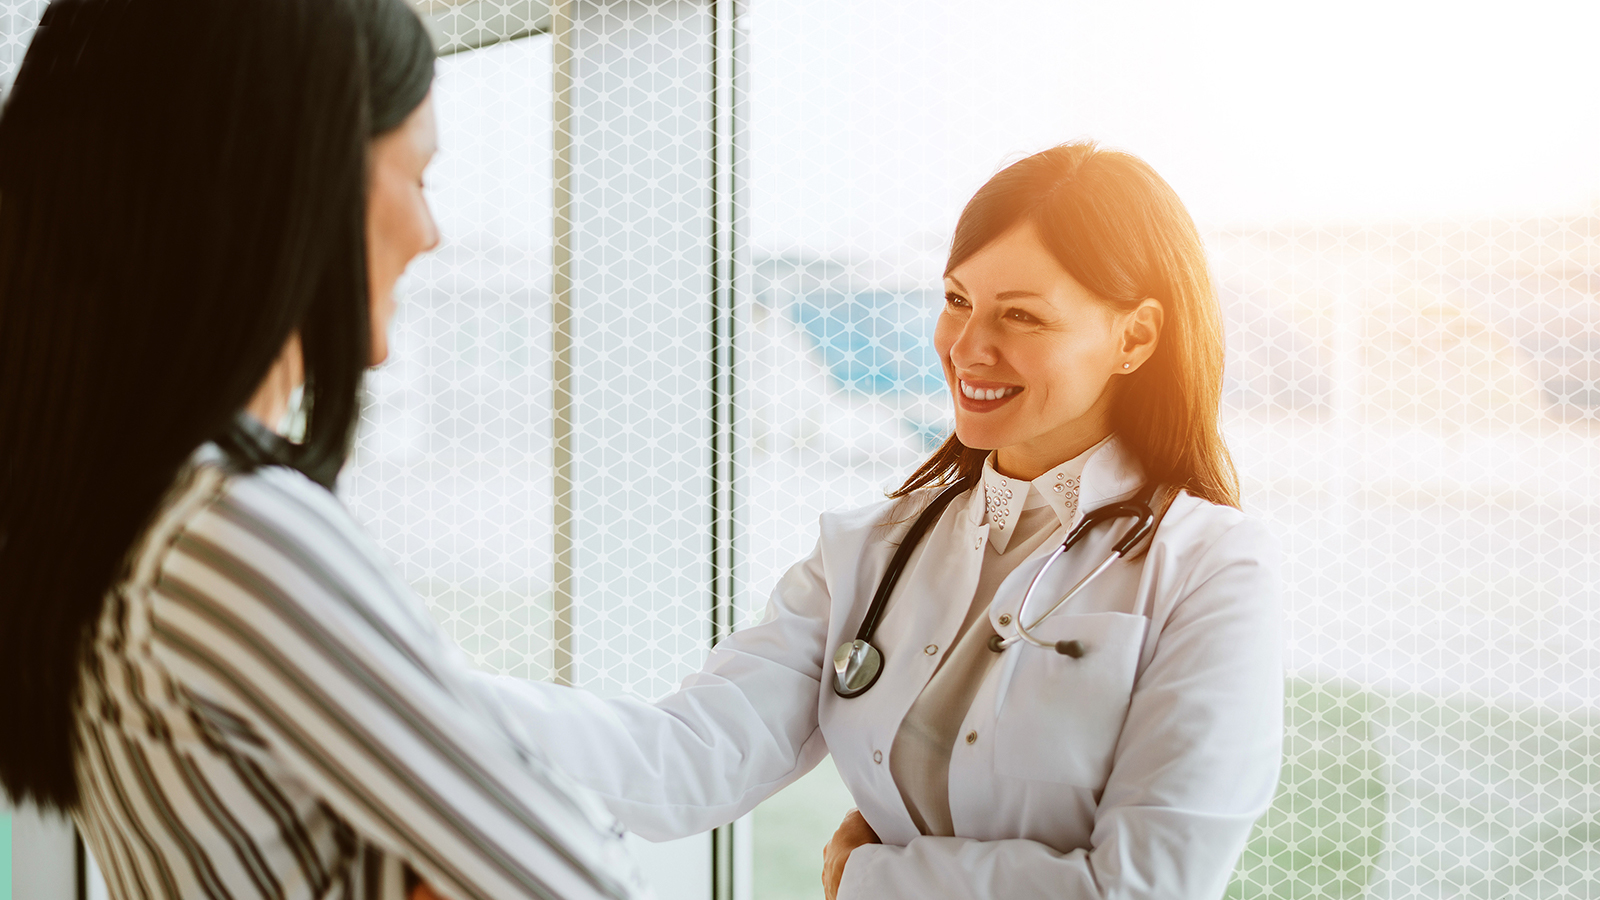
x=1022, y=629
x=1138, y=508
x=858, y=664
x=902, y=555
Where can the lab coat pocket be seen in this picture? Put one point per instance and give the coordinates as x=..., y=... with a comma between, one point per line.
x=1061, y=715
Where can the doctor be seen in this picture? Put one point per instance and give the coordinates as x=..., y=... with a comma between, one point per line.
x=1082, y=343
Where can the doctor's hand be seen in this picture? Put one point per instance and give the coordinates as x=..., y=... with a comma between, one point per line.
x=853, y=832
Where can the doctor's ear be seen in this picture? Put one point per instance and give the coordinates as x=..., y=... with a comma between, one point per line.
x=1141, y=332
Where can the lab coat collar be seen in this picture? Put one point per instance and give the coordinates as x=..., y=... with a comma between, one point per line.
x=1111, y=473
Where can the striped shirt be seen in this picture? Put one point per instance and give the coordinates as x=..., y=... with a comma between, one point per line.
x=268, y=712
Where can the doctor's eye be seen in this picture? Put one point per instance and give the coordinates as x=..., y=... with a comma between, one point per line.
x=955, y=301
x=1023, y=316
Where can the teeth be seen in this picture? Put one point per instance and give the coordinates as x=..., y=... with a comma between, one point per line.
x=973, y=393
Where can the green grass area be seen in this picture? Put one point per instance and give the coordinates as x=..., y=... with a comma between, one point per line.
x=1324, y=833
x=790, y=831
x=1382, y=795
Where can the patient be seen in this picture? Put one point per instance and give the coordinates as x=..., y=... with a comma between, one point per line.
x=206, y=205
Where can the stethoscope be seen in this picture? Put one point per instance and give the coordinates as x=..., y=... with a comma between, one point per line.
x=857, y=664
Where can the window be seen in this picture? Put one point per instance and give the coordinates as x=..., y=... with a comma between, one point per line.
x=1400, y=206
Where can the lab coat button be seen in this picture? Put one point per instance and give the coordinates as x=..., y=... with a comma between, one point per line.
x=1005, y=620
x=931, y=649
x=877, y=757
x=972, y=737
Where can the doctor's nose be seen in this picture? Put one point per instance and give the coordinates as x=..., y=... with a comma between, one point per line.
x=974, y=345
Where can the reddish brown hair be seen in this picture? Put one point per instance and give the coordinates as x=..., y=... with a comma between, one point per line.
x=1122, y=232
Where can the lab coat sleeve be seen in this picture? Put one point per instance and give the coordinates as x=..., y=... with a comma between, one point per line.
x=1195, y=766
x=732, y=735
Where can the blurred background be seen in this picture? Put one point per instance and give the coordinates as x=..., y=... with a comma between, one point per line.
x=592, y=461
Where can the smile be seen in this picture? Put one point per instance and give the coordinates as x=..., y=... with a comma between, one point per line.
x=1000, y=393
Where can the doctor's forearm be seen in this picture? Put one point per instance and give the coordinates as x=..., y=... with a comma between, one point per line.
x=961, y=867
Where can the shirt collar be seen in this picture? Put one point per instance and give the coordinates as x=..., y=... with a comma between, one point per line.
x=1062, y=488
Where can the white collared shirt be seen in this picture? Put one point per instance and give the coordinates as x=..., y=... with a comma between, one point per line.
x=1022, y=516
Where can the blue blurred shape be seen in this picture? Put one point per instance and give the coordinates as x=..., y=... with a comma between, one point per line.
x=874, y=342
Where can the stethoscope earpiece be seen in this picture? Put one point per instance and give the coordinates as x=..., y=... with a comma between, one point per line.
x=1074, y=649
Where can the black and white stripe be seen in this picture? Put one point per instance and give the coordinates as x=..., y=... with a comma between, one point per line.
x=267, y=712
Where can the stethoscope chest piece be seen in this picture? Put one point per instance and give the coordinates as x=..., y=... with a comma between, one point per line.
x=856, y=666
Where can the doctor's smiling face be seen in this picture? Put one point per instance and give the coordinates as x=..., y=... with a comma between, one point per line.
x=1078, y=304
x=1033, y=358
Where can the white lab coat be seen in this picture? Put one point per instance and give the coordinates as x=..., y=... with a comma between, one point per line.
x=1136, y=770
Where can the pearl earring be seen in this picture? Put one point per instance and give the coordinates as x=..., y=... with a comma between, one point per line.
x=1127, y=365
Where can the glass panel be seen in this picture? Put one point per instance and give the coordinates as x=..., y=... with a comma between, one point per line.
x=1406, y=242
x=17, y=20
x=452, y=469
x=455, y=470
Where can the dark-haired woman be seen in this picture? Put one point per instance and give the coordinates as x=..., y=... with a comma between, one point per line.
x=206, y=205
x=1124, y=745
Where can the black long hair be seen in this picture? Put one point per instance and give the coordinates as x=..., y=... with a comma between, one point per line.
x=182, y=187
